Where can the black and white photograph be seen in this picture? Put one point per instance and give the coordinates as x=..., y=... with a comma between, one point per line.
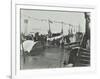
x=54, y=39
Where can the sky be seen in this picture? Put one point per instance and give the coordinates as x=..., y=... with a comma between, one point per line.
x=38, y=21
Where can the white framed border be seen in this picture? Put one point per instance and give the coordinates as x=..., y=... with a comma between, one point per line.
x=17, y=73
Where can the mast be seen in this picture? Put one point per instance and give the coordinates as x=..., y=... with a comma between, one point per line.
x=49, y=31
x=79, y=28
x=87, y=32
x=26, y=27
x=62, y=28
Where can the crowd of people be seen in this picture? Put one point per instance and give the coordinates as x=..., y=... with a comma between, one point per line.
x=60, y=42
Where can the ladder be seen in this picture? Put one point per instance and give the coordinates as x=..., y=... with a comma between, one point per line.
x=83, y=58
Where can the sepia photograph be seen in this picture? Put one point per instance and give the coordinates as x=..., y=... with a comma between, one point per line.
x=54, y=39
